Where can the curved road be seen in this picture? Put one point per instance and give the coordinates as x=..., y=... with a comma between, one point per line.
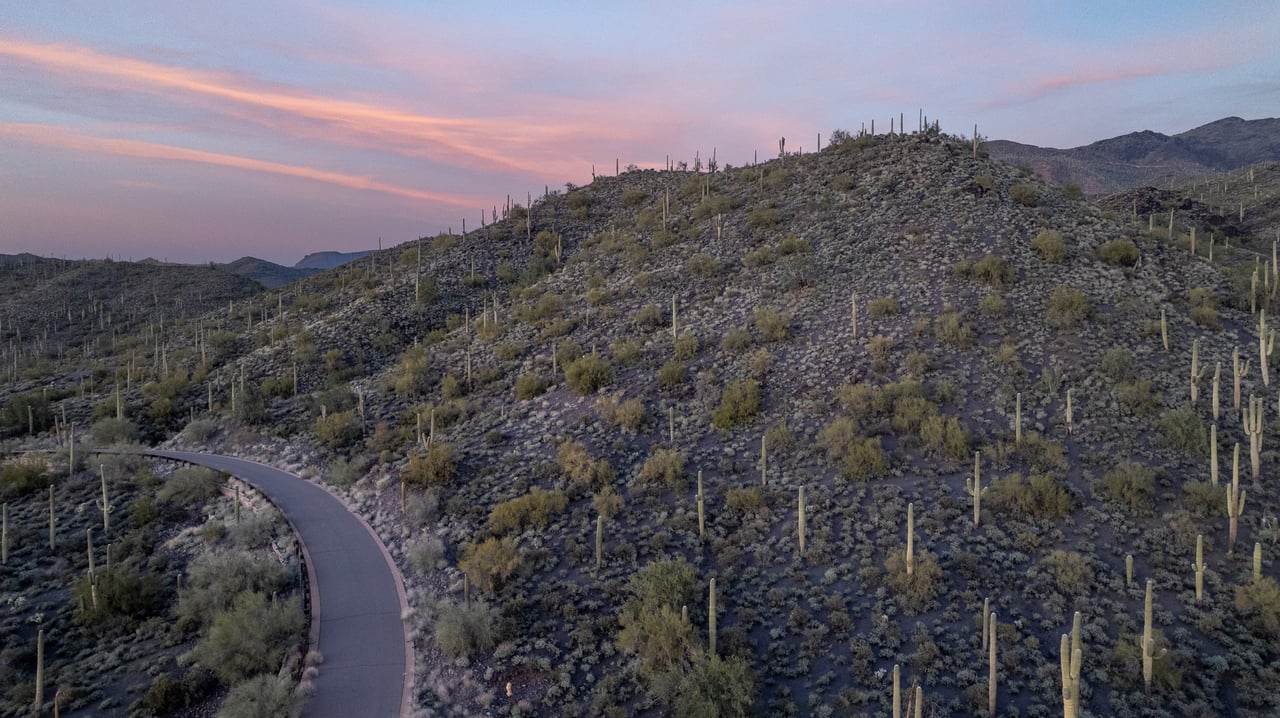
x=356, y=594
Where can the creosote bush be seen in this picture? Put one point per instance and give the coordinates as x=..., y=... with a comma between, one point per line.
x=1183, y=429
x=1066, y=308
x=533, y=510
x=579, y=466
x=772, y=325
x=994, y=270
x=1259, y=603
x=1049, y=245
x=665, y=466
x=1041, y=496
x=490, y=561
x=1069, y=571
x=626, y=414
x=588, y=373
x=464, y=629
x=1121, y=252
x=913, y=591
x=1132, y=486
x=530, y=385
x=434, y=467
x=739, y=404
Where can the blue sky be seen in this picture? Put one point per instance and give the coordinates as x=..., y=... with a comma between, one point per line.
x=199, y=132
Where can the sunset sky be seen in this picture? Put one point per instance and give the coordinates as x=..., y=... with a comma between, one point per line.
x=208, y=131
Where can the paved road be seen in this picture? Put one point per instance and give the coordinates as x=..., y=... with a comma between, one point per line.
x=362, y=637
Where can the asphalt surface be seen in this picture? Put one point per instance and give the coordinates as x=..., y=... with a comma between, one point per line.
x=362, y=637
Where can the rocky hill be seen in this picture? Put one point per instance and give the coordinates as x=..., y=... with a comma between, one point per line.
x=329, y=260
x=1149, y=158
x=785, y=378
x=268, y=274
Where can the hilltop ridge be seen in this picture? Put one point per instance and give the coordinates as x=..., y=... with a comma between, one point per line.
x=595, y=405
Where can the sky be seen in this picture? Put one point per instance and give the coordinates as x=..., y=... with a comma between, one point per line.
x=199, y=132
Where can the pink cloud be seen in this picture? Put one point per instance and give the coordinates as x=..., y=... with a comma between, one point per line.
x=65, y=139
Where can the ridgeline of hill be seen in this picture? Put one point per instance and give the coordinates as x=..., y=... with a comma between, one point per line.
x=565, y=424
x=1149, y=158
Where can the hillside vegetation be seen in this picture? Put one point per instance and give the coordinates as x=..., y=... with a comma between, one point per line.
x=794, y=379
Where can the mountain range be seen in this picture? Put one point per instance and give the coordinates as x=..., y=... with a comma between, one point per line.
x=1149, y=158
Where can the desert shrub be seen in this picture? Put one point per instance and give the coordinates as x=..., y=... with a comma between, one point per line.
x=672, y=374
x=462, y=629
x=702, y=265
x=747, y=500
x=735, y=341
x=1069, y=571
x=651, y=316
x=490, y=561
x=1124, y=664
x=909, y=413
x=23, y=477
x=633, y=197
x=337, y=430
x=263, y=696
x=345, y=472
x=1049, y=245
x=625, y=351
x=113, y=431
x=434, y=467
x=950, y=327
x=1121, y=252
x=863, y=459
x=1204, y=308
x=792, y=244
x=739, y=404
x=945, y=435
x=1041, y=497
x=1203, y=498
x=26, y=412
x=762, y=217
x=1119, y=365
x=686, y=346
x=665, y=465
x=412, y=376
x=121, y=592
x=425, y=554
x=606, y=502
x=759, y=362
x=1130, y=485
x=534, y=509
x=878, y=347
x=916, y=589
x=565, y=352
x=772, y=325
x=1066, y=307
x=992, y=305
x=836, y=436
x=660, y=639
x=1183, y=429
x=863, y=400
x=588, y=373
x=189, y=487
x=252, y=637
x=578, y=466
x=200, y=430
x=883, y=307
x=215, y=579
x=530, y=385
x=994, y=270
x=1139, y=398
x=707, y=686
x=1024, y=194
x=628, y=415
x=578, y=202
x=1259, y=604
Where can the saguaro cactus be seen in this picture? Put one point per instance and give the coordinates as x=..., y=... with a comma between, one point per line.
x=1148, y=642
x=104, y=504
x=974, y=487
x=1217, y=380
x=1235, y=507
x=1266, y=345
x=1198, y=567
x=911, y=536
x=1072, y=657
x=38, y=705
x=1070, y=415
x=1196, y=374
x=1213, y=454
x=1238, y=371
x=897, y=691
x=1164, y=330
x=1257, y=561
x=800, y=527
x=599, y=541
x=711, y=617
x=1017, y=418
x=991, y=668
x=702, y=517
x=853, y=315
x=1253, y=421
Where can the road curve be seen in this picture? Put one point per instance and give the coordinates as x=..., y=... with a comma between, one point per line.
x=356, y=593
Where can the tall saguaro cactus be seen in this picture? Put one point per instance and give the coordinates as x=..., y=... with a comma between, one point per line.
x=800, y=525
x=911, y=539
x=974, y=487
x=1198, y=567
x=991, y=668
x=711, y=617
x=1148, y=642
x=1266, y=345
x=1238, y=372
x=1253, y=421
x=1196, y=374
x=1235, y=507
